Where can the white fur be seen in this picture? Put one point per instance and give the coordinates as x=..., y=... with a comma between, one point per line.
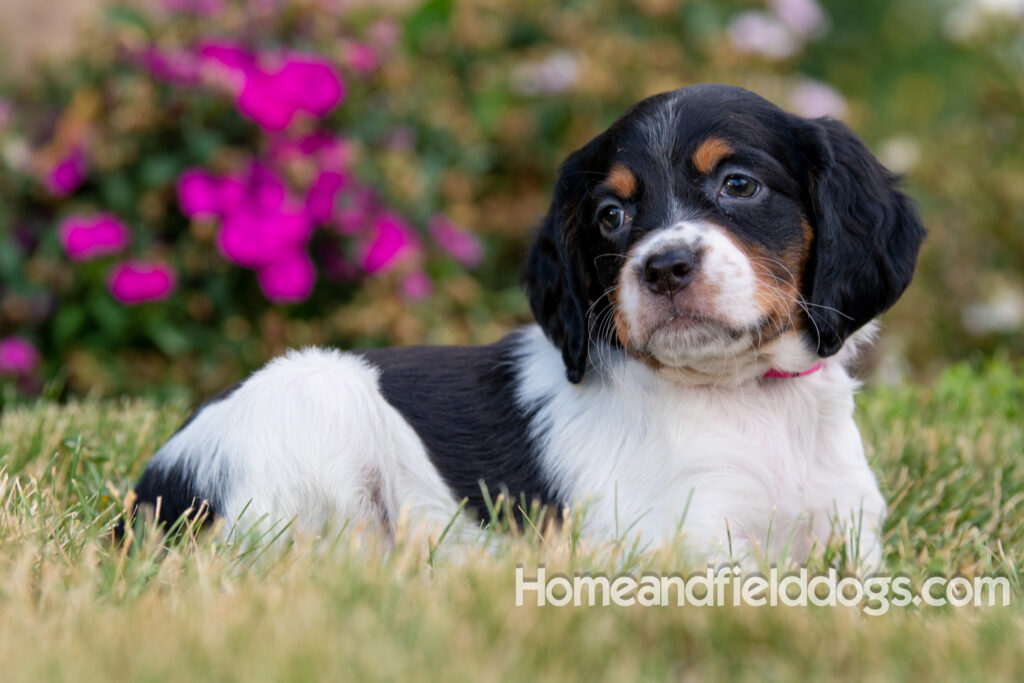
x=309, y=439
x=773, y=463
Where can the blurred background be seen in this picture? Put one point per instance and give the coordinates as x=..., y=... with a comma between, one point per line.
x=188, y=187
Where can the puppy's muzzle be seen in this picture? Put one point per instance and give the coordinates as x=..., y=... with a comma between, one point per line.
x=670, y=270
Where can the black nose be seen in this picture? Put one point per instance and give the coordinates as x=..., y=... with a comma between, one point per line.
x=670, y=271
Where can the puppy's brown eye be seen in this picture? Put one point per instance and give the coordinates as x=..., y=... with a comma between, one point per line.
x=738, y=186
x=611, y=218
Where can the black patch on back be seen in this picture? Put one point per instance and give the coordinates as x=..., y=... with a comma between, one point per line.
x=177, y=490
x=461, y=400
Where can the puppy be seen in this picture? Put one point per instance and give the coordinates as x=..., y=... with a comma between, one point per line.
x=705, y=271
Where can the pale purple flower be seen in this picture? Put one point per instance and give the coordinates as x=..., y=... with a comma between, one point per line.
x=813, y=99
x=762, y=34
x=67, y=174
x=417, y=285
x=87, y=237
x=392, y=241
x=288, y=279
x=138, y=282
x=805, y=18
x=461, y=245
x=17, y=357
x=553, y=75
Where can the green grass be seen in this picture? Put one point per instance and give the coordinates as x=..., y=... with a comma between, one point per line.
x=75, y=607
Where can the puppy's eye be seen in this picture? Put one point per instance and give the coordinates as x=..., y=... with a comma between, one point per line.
x=737, y=186
x=611, y=218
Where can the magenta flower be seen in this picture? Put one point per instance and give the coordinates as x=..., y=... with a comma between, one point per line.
x=361, y=58
x=67, y=174
x=322, y=196
x=199, y=194
x=171, y=66
x=206, y=8
x=460, y=245
x=289, y=279
x=392, y=241
x=17, y=357
x=87, y=237
x=6, y=113
x=255, y=238
x=225, y=64
x=417, y=285
x=138, y=282
x=301, y=83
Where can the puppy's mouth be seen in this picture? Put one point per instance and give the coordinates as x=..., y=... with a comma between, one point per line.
x=688, y=334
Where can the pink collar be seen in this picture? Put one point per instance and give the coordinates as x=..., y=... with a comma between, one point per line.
x=773, y=373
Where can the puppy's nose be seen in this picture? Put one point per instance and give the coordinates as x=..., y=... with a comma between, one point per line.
x=670, y=271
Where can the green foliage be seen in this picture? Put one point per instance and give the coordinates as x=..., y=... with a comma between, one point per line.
x=469, y=113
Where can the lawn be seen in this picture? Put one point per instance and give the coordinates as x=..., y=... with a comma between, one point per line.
x=73, y=606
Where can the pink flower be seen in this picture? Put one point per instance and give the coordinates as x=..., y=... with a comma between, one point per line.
x=460, y=245
x=302, y=83
x=360, y=57
x=86, y=237
x=137, y=282
x=417, y=285
x=67, y=174
x=392, y=240
x=254, y=238
x=288, y=279
x=17, y=357
x=322, y=196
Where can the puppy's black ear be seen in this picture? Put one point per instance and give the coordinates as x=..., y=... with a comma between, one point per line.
x=554, y=273
x=866, y=238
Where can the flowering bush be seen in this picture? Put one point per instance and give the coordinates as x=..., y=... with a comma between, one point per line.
x=211, y=182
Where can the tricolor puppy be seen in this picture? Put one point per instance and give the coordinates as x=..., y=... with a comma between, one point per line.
x=704, y=273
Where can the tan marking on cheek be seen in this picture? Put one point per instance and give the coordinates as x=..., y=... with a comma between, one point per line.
x=709, y=153
x=621, y=324
x=778, y=278
x=621, y=181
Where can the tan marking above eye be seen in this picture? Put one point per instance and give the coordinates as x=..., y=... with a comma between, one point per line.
x=621, y=181
x=709, y=153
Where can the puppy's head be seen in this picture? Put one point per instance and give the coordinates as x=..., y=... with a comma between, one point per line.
x=708, y=231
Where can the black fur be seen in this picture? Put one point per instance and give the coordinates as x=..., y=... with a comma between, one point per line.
x=462, y=403
x=175, y=486
x=554, y=274
x=867, y=236
x=178, y=494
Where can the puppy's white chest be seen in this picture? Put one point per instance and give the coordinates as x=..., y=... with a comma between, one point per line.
x=763, y=466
